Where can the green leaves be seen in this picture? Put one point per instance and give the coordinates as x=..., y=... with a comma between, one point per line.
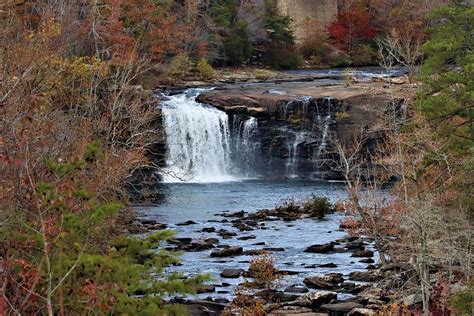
x=447, y=98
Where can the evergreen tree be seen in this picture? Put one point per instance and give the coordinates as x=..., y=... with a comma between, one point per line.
x=447, y=100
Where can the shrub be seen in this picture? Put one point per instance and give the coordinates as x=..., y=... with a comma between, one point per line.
x=347, y=76
x=263, y=271
x=288, y=205
x=245, y=304
x=180, y=67
x=462, y=301
x=318, y=205
x=237, y=46
x=204, y=70
x=364, y=55
x=282, y=57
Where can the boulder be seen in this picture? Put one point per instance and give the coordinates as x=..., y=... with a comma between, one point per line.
x=326, y=282
x=325, y=248
x=314, y=299
x=276, y=296
x=186, y=223
x=227, y=252
x=232, y=273
x=296, y=289
x=367, y=276
x=295, y=310
x=328, y=265
x=206, y=289
x=362, y=253
x=247, y=237
x=359, y=311
x=226, y=234
x=208, y=229
x=341, y=307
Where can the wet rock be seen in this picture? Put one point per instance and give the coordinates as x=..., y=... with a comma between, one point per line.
x=186, y=223
x=242, y=227
x=354, y=288
x=367, y=276
x=368, y=260
x=206, y=289
x=221, y=300
x=327, y=282
x=296, y=289
x=325, y=248
x=355, y=245
x=314, y=299
x=362, y=253
x=181, y=240
x=226, y=234
x=328, y=265
x=227, y=252
x=276, y=296
x=203, y=307
x=273, y=249
x=247, y=237
x=211, y=240
x=261, y=243
x=341, y=308
x=295, y=310
x=288, y=272
x=208, y=229
x=253, y=252
x=231, y=273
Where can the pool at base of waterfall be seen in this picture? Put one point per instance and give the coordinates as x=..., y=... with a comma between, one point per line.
x=196, y=211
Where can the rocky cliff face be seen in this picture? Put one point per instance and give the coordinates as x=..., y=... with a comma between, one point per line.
x=323, y=12
x=289, y=134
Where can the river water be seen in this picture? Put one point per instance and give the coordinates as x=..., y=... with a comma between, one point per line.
x=204, y=203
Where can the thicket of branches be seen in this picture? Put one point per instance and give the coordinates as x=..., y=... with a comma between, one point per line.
x=425, y=142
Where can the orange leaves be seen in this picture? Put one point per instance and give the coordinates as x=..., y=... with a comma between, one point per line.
x=119, y=45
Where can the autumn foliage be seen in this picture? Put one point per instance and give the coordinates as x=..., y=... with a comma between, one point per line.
x=351, y=27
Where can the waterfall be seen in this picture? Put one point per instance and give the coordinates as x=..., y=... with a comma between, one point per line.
x=245, y=146
x=292, y=162
x=325, y=131
x=198, y=140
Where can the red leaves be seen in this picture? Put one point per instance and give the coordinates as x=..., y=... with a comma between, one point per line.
x=351, y=26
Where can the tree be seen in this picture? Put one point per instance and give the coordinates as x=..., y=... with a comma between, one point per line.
x=238, y=48
x=351, y=28
x=446, y=100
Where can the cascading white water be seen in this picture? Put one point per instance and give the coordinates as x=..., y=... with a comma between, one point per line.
x=292, y=162
x=197, y=138
x=325, y=131
x=246, y=148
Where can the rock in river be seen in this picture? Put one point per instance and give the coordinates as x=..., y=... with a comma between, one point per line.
x=232, y=273
x=327, y=282
x=227, y=252
x=314, y=299
x=326, y=248
x=363, y=253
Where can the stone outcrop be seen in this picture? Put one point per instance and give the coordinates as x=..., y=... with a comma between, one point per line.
x=320, y=12
x=296, y=123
